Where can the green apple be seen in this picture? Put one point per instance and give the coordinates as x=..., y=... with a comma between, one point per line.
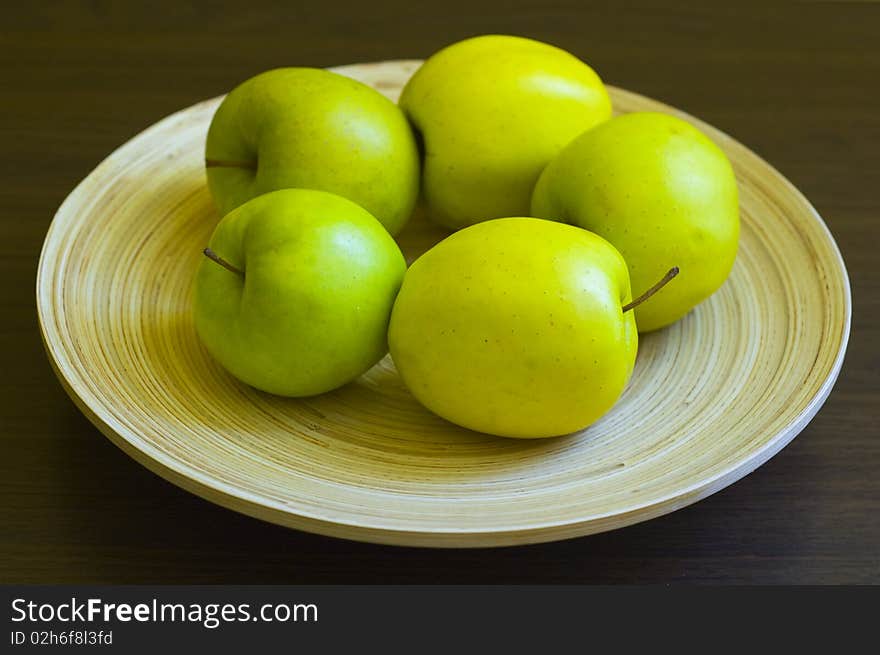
x=663, y=193
x=492, y=111
x=313, y=129
x=517, y=327
x=297, y=290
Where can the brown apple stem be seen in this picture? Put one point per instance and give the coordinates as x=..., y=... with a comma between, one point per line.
x=228, y=163
x=671, y=273
x=214, y=257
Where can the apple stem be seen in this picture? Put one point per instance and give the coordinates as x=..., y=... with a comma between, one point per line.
x=214, y=257
x=227, y=163
x=671, y=273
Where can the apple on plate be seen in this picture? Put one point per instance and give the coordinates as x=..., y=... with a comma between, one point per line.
x=295, y=294
x=659, y=190
x=313, y=129
x=517, y=327
x=492, y=111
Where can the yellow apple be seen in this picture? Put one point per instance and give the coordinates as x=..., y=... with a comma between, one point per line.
x=659, y=190
x=516, y=327
x=492, y=111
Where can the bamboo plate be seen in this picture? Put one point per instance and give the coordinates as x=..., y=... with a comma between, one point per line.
x=713, y=396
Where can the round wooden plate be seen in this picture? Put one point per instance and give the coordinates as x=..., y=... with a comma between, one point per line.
x=712, y=397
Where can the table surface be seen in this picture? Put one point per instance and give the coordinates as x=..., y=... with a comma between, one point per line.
x=797, y=83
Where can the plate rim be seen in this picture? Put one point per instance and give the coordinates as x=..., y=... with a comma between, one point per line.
x=186, y=477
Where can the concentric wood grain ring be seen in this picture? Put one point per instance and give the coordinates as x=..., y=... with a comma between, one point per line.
x=712, y=397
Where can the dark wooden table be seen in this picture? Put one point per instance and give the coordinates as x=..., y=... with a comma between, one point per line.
x=798, y=83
